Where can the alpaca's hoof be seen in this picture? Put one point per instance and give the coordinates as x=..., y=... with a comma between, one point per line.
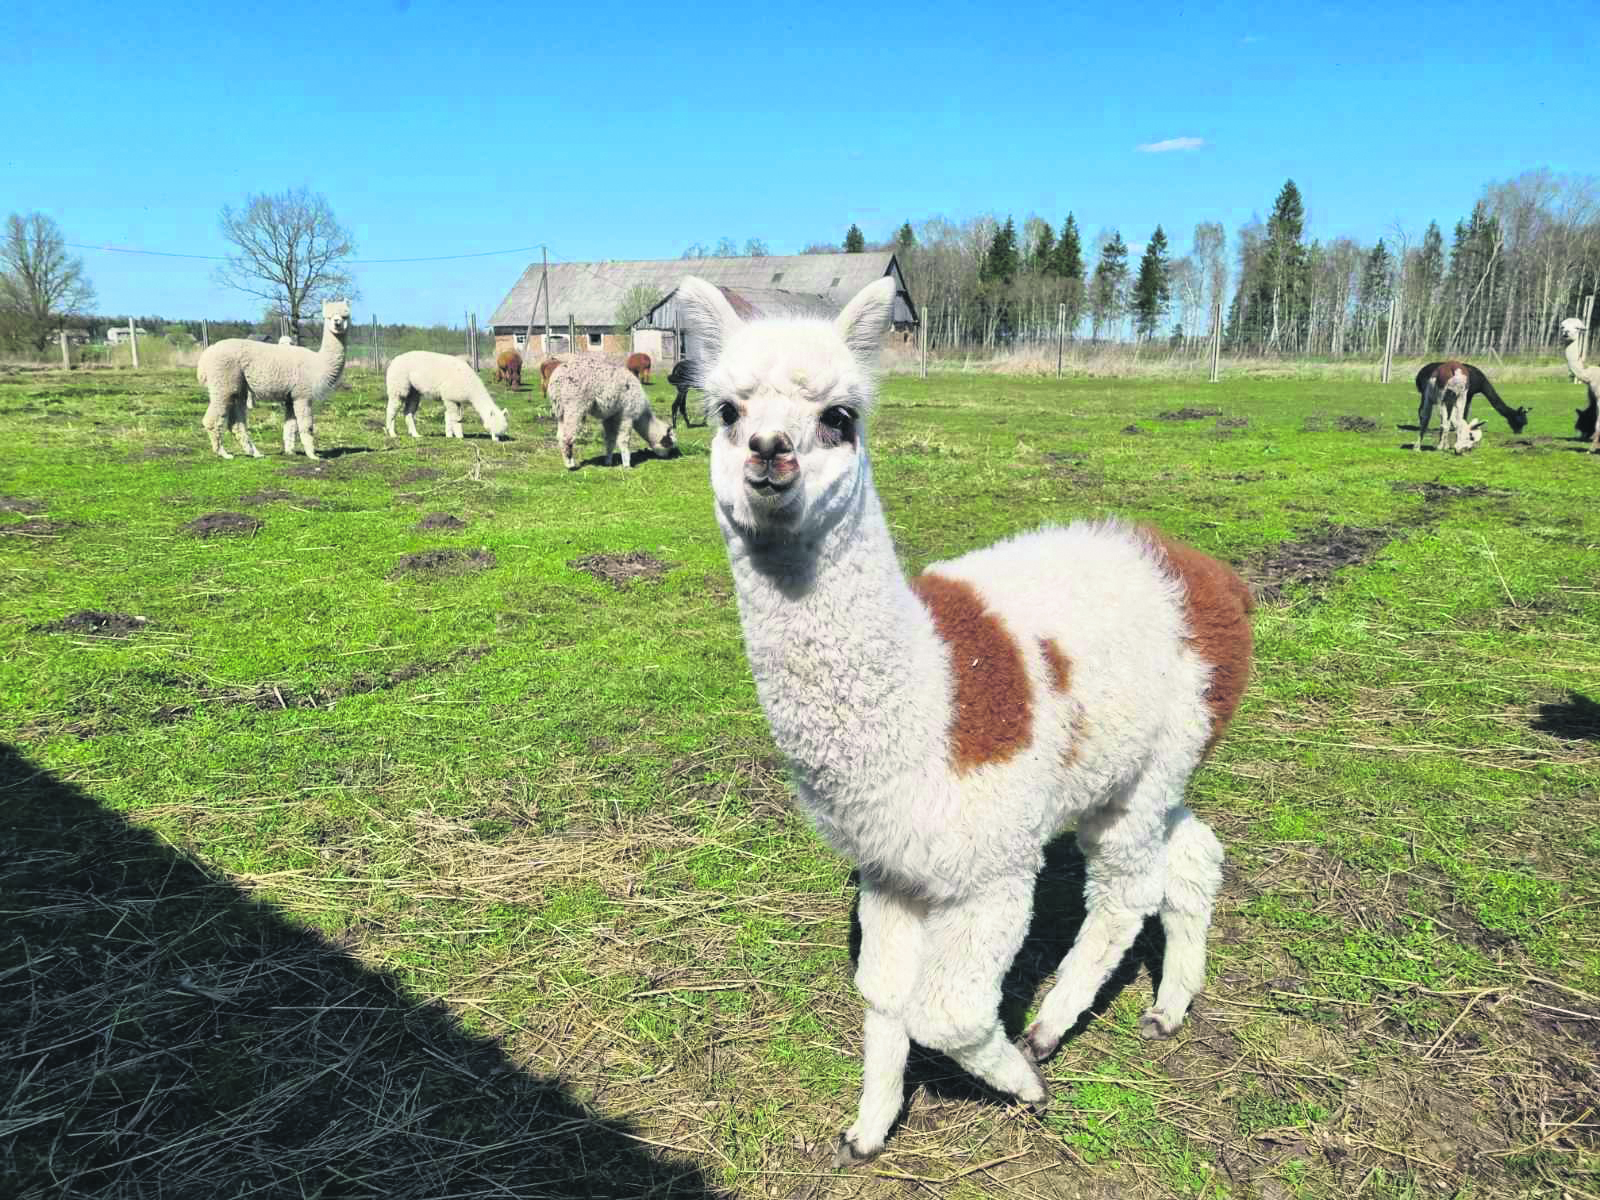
x=223, y=454
x=254, y=453
x=846, y=1153
x=1037, y=1045
x=1155, y=1025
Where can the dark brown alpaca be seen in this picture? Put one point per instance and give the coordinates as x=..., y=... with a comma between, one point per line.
x=508, y=368
x=639, y=364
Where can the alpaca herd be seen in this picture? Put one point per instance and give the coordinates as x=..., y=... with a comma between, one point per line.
x=940, y=730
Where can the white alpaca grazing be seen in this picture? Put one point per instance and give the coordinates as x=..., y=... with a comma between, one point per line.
x=419, y=373
x=1572, y=329
x=1447, y=387
x=237, y=372
x=940, y=732
x=590, y=383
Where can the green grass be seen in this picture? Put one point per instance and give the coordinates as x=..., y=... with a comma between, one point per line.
x=337, y=881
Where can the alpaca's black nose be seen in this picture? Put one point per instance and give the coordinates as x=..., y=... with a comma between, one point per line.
x=770, y=445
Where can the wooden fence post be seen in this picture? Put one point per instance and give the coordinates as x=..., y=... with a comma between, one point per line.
x=1588, y=315
x=572, y=335
x=66, y=361
x=205, y=335
x=1061, y=335
x=1388, y=344
x=1216, y=341
x=133, y=340
x=923, y=330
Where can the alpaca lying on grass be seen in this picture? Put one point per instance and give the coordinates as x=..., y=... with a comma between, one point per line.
x=419, y=373
x=237, y=372
x=1447, y=387
x=941, y=731
x=591, y=384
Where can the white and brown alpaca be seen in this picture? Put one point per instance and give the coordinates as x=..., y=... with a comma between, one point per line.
x=940, y=731
x=1447, y=387
x=1588, y=418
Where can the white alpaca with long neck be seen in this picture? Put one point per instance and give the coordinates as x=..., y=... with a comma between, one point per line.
x=1572, y=330
x=940, y=731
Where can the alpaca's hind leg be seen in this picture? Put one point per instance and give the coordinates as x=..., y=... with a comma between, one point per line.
x=413, y=406
x=241, y=425
x=389, y=413
x=1126, y=855
x=886, y=976
x=452, y=419
x=216, y=417
x=1194, y=877
x=290, y=428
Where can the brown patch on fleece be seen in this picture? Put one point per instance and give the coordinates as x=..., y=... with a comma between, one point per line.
x=1217, y=606
x=1058, y=662
x=1446, y=371
x=993, y=718
x=1080, y=731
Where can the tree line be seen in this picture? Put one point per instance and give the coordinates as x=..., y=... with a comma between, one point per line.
x=1520, y=261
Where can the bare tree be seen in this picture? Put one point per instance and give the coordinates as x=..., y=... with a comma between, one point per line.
x=636, y=302
x=756, y=248
x=291, y=253
x=39, y=283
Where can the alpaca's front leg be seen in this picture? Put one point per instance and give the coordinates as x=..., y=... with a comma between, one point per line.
x=303, y=418
x=1424, y=411
x=212, y=422
x=241, y=431
x=452, y=420
x=569, y=418
x=609, y=427
x=289, y=427
x=970, y=946
x=886, y=976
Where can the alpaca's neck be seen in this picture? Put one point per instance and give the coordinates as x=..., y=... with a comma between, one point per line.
x=844, y=655
x=330, y=358
x=1575, y=359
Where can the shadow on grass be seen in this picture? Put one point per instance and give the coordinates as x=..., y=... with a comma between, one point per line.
x=1058, y=913
x=639, y=458
x=1578, y=720
x=162, y=1034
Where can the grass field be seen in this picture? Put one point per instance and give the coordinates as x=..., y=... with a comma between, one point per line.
x=390, y=861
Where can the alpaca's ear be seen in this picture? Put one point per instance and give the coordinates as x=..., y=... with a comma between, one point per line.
x=707, y=315
x=864, y=319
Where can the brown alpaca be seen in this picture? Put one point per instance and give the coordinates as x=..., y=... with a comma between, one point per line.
x=508, y=368
x=546, y=369
x=639, y=364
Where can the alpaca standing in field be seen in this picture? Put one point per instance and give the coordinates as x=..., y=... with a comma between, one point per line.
x=639, y=364
x=508, y=369
x=236, y=372
x=591, y=384
x=419, y=373
x=681, y=377
x=546, y=369
x=1478, y=385
x=1588, y=418
x=1447, y=387
x=941, y=731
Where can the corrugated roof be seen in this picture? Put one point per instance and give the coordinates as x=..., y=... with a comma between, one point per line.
x=591, y=292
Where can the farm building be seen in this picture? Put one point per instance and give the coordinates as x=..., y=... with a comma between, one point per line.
x=585, y=296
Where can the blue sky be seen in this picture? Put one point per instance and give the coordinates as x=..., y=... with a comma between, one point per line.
x=633, y=131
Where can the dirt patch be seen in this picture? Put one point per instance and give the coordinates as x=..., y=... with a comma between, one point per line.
x=277, y=697
x=223, y=524
x=1315, y=558
x=150, y=453
x=16, y=504
x=438, y=563
x=277, y=495
x=92, y=622
x=1188, y=414
x=440, y=520
x=36, y=527
x=1134, y=429
x=1448, y=491
x=622, y=570
x=420, y=475
x=1348, y=424
x=1233, y=422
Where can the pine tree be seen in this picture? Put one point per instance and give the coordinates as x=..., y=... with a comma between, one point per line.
x=1000, y=262
x=1152, y=291
x=854, y=240
x=1284, y=267
x=1042, y=250
x=906, y=239
x=1067, y=266
x=1105, y=291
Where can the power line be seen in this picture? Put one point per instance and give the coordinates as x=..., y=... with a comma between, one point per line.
x=367, y=262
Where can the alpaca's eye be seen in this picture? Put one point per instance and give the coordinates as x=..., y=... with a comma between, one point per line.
x=838, y=424
x=728, y=413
